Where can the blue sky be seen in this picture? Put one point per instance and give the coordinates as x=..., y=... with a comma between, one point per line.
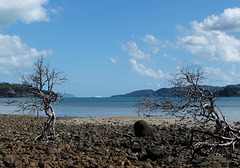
x=111, y=47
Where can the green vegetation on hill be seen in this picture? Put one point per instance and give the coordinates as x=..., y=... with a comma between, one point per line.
x=8, y=90
x=229, y=92
x=226, y=91
x=11, y=90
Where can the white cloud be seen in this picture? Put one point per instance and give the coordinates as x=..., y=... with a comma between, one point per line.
x=217, y=74
x=223, y=77
x=228, y=21
x=14, y=53
x=158, y=85
x=150, y=39
x=26, y=11
x=134, y=51
x=210, y=39
x=57, y=10
x=113, y=60
x=145, y=71
x=172, y=58
x=155, y=50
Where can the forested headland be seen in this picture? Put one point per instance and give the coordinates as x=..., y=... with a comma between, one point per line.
x=8, y=90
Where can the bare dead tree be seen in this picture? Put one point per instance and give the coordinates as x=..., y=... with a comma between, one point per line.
x=188, y=99
x=38, y=88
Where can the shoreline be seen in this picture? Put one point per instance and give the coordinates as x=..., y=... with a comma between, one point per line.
x=121, y=120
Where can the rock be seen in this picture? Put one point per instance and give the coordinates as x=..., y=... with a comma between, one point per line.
x=52, y=150
x=177, y=162
x=168, y=160
x=2, y=152
x=32, y=164
x=1, y=164
x=213, y=164
x=65, y=156
x=142, y=128
x=210, y=159
x=101, y=151
x=147, y=165
x=134, y=156
x=155, y=153
x=236, y=151
x=219, y=159
x=9, y=160
x=136, y=147
x=19, y=164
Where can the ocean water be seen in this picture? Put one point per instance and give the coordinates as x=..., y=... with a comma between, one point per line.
x=107, y=107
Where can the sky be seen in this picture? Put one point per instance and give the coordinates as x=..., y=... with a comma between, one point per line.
x=111, y=47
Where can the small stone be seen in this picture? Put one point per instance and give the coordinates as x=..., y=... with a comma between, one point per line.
x=168, y=160
x=156, y=153
x=65, y=156
x=133, y=157
x=236, y=151
x=101, y=151
x=32, y=164
x=136, y=144
x=213, y=164
x=1, y=164
x=19, y=164
x=52, y=150
x=147, y=165
x=8, y=160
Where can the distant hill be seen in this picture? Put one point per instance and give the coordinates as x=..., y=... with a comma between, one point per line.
x=139, y=93
x=11, y=90
x=68, y=95
x=225, y=91
x=230, y=92
x=8, y=90
x=233, y=86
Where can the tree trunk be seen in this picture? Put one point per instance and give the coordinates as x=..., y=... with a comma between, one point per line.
x=49, y=126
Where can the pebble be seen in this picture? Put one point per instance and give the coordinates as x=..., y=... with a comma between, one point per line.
x=106, y=145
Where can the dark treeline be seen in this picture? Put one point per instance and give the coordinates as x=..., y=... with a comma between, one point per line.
x=11, y=90
x=229, y=92
x=8, y=90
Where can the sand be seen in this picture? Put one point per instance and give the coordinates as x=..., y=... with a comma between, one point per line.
x=122, y=120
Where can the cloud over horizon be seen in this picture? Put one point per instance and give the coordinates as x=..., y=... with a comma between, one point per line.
x=212, y=39
x=15, y=53
x=151, y=44
x=215, y=39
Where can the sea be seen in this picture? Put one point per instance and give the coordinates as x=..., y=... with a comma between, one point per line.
x=116, y=106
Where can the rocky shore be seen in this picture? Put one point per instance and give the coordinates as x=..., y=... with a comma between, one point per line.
x=103, y=142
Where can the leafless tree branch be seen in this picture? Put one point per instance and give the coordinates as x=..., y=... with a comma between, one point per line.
x=40, y=95
x=188, y=99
